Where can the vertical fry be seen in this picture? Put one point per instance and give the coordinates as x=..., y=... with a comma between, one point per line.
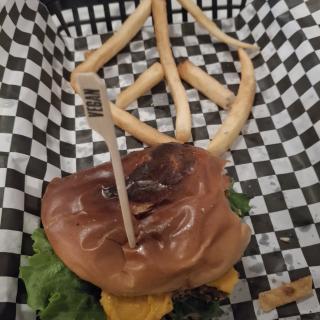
x=147, y=80
x=116, y=43
x=239, y=109
x=183, y=120
x=206, y=84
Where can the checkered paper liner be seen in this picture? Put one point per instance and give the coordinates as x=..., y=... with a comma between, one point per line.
x=43, y=134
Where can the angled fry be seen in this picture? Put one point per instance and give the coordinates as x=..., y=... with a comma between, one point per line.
x=116, y=43
x=239, y=109
x=287, y=293
x=183, y=121
x=212, y=28
x=137, y=128
x=147, y=80
x=206, y=84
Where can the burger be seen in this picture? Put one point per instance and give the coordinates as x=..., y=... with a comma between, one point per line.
x=188, y=240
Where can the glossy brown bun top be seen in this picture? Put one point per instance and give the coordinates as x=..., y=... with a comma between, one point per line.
x=186, y=233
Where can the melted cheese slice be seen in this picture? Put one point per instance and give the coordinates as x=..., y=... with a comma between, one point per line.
x=227, y=282
x=154, y=307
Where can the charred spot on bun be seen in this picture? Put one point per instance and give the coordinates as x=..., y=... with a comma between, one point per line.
x=188, y=239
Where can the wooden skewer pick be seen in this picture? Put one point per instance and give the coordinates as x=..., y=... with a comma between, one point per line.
x=96, y=104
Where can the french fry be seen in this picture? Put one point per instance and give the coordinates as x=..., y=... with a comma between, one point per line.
x=287, y=293
x=212, y=28
x=88, y=53
x=206, y=84
x=239, y=109
x=147, y=80
x=183, y=119
x=116, y=43
x=137, y=128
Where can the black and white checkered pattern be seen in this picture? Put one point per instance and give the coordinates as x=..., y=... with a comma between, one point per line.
x=43, y=134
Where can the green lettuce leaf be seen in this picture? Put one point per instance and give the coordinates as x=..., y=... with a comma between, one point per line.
x=53, y=290
x=239, y=202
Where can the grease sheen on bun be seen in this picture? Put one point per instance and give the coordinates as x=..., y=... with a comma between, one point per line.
x=186, y=233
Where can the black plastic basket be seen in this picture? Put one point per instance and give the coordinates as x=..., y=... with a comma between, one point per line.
x=83, y=13
x=275, y=159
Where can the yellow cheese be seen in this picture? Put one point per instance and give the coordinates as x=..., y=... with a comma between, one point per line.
x=152, y=307
x=227, y=282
